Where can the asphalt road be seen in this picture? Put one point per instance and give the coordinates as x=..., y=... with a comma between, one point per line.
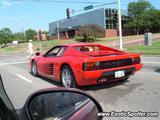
x=140, y=93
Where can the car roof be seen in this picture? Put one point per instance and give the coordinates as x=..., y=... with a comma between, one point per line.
x=79, y=44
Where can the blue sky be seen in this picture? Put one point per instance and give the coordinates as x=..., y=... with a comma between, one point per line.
x=19, y=16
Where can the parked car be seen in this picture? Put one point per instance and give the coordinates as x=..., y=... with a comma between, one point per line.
x=85, y=64
x=51, y=104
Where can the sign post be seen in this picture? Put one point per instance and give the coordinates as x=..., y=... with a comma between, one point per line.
x=120, y=25
x=58, y=37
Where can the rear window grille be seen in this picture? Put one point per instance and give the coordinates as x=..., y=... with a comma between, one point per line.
x=115, y=63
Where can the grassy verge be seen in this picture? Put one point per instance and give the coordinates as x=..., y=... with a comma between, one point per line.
x=45, y=45
x=146, y=50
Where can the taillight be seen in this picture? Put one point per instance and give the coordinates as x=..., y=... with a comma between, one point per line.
x=91, y=66
x=136, y=60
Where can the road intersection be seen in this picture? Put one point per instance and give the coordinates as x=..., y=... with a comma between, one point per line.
x=140, y=93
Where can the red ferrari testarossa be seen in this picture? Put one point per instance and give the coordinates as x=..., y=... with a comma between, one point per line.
x=85, y=64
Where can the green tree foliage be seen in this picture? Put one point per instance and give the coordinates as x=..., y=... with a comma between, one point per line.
x=30, y=34
x=5, y=36
x=143, y=16
x=45, y=32
x=137, y=8
x=153, y=16
x=20, y=36
x=90, y=33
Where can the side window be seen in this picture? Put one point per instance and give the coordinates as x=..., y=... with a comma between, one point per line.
x=61, y=51
x=53, y=52
x=57, y=51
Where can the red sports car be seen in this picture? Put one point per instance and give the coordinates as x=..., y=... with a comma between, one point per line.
x=85, y=64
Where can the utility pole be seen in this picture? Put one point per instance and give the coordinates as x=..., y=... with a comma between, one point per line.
x=40, y=39
x=58, y=30
x=120, y=24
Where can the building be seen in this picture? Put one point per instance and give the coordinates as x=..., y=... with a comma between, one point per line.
x=106, y=18
x=41, y=35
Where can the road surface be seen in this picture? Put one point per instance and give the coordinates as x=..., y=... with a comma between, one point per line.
x=140, y=93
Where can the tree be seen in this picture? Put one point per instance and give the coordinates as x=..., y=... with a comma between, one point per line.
x=139, y=15
x=90, y=32
x=20, y=36
x=30, y=34
x=5, y=36
x=154, y=18
x=137, y=8
x=45, y=32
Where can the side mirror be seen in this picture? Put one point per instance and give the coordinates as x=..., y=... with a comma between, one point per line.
x=62, y=104
x=38, y=53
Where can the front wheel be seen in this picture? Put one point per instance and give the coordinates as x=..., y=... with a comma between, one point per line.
x=34, y=70
x=67, y=77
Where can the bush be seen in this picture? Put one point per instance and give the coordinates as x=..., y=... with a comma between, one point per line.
x=89, y=33
x=87, y=39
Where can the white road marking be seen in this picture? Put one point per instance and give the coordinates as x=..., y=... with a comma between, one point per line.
x=24, y=78
x=151, y=63
x=3, y=55
x=13, y=63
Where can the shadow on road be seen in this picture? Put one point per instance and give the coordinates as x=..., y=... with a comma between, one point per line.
x=103, y=86
x=53, y=82
x=157, y=70
x=87, y=88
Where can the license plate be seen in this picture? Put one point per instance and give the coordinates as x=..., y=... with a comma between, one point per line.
x=119, y=74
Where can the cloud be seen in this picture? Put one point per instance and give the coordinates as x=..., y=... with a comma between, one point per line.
x=5, y=3
x=16, y=2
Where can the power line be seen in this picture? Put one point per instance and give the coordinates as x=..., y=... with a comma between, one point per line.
x=100, y=5
x=57, y=1
x=106, y=4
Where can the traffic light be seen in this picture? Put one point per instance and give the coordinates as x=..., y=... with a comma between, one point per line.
x=68, y=13
x=115, y=19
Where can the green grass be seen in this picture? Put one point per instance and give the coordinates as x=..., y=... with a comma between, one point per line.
x=45, y=45
x=146, y=50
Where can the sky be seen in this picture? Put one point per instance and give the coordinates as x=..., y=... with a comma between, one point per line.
x=20, y=15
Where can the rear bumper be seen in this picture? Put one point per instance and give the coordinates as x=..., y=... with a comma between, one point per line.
x=107, y=75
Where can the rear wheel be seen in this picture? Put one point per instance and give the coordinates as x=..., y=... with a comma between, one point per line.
x=67, y=77
x=34, y=70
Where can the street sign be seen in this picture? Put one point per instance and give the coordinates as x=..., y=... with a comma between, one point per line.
x=88, y=7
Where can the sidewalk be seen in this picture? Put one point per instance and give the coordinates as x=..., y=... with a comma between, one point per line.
x=133, y=42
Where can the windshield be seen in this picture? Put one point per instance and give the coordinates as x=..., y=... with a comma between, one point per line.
x=108, y=48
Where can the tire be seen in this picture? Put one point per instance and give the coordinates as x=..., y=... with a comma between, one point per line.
x=34, y=70
x=67, y=77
